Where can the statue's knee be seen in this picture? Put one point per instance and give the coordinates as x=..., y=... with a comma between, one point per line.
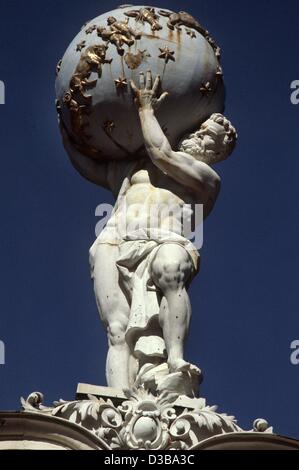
x=171, y=268
x=116, y=333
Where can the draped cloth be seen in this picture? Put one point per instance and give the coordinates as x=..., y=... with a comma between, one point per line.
x=134, y=265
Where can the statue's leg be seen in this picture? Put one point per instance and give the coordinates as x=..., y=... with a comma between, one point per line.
x=171, y=270
x=114, y=312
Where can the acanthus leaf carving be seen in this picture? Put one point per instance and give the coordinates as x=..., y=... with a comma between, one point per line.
x=143, y=420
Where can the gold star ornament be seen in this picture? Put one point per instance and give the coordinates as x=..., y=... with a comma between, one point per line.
x=109, y=127
x=191, y=33
x=206, y=88
x=80, y=46
x=166, y=54
x=91, y=29
x=121, y=83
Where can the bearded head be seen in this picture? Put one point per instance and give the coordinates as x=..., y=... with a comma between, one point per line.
x=213, y=142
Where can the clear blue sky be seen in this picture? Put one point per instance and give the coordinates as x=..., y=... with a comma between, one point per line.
x=245, y=300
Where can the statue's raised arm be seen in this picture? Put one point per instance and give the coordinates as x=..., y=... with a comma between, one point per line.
x=189, y=166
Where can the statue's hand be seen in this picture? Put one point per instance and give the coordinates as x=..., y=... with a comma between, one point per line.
x=146, y=96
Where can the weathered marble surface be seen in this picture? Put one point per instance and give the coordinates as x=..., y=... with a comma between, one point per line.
x=143, y=262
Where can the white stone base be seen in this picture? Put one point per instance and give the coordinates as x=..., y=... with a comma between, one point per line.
x=102, y=418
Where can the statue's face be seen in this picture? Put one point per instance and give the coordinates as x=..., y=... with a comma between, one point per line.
x=208, y=144
x=211, y=137
x=201, y=145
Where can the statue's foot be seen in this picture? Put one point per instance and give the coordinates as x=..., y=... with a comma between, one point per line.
x=179, y=365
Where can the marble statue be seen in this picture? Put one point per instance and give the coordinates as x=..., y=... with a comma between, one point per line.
x=141, y=280
x=168, y=83
x=140, y=99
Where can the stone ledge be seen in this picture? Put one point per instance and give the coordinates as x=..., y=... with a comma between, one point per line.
x=83, y=390
x=36, y=431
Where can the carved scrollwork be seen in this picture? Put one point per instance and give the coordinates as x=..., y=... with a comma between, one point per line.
x=143, y=421
x=33, y=402
x=261, y=425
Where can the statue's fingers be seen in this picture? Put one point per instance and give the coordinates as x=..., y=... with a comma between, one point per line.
x=141, y=81
x=163, y=97
x=149, y=81
x=156, y=84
